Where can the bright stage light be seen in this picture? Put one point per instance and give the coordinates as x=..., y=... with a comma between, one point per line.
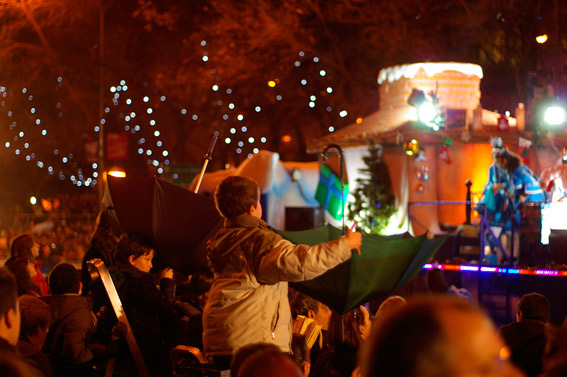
x=555, y=115
x=426, y=112
x=426, y=106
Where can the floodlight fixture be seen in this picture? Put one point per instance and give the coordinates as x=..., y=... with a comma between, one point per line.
x=555, y=115
x=427, y=111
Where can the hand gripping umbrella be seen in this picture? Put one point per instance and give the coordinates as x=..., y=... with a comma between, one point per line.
x=385, y=264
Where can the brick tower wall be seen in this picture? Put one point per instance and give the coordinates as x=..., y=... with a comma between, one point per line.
x=455, y=90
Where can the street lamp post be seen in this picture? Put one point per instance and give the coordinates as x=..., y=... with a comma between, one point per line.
x=101, y=133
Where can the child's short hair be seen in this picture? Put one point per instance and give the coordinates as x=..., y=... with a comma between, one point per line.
x=35, y=315
x=235, y=195
x=131, y=244
x=201, y=282
x=64, y=278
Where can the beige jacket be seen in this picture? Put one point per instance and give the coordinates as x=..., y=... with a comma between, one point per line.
x=248, y=301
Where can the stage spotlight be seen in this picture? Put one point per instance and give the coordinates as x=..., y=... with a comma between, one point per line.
x=555, y=115
x=427, y=111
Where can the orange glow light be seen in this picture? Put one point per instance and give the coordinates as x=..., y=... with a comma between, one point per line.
x=117, y=173
x=541, y=38
x=286, y=139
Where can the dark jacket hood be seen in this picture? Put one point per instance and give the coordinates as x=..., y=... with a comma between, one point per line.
x=62, y=305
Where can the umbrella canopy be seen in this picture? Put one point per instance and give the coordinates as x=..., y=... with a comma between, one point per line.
x=177, y=221
x=385, y=264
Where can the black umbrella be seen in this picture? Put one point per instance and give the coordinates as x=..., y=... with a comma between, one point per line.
x=177, y=221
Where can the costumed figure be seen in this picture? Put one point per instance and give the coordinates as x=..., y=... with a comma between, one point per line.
x=496, y=192
x=525, y=188
x=554, y=178
x=525, y=184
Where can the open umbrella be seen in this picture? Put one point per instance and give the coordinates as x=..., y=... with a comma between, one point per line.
x=385, y=264
x=177, y=221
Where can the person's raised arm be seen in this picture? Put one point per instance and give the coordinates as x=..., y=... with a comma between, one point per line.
x=285, y=261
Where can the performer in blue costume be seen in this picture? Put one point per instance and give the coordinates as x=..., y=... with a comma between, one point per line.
x=525, y=183
x=525, y=187
x=496, y=192
x=495, y=195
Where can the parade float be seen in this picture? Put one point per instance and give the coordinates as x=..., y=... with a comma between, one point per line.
x=439, y=164
x=438, y=161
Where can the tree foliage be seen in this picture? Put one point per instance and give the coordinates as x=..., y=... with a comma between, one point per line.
x=374, y=201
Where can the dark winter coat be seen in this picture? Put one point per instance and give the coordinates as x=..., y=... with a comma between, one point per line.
x=338, y=363
x=146, y=306
x=35, y=357
x=102, y=248
x=526, y=340
x=72, y=324
x=149, y=311
x=9, y=352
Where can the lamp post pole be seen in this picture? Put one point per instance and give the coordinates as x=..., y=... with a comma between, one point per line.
x=468, y=206
x=101, y=133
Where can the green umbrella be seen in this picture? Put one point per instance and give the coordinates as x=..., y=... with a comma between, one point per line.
x=385, y=264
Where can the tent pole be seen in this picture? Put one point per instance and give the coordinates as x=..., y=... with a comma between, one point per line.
x=208, y=157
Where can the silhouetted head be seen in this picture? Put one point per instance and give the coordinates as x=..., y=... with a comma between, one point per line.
x=435, y=336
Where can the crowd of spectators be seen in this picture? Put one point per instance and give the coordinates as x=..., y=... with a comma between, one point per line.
x=63, y=233
x=441, y=333
x=54, y=330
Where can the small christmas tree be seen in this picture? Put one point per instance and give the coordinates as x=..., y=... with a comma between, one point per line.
x=374, y=201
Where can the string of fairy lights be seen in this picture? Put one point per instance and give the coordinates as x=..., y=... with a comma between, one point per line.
x=138, y=115
x=239, y=135
x=144, y=124
x=28, y=130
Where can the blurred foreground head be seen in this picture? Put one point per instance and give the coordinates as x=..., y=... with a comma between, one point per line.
x=436, y=337
x=269, y=363
x=9, y=307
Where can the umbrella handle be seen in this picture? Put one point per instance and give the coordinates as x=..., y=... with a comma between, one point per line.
x=208, y=157
x=353, y=226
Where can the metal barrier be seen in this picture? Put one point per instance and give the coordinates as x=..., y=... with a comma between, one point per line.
x=484, y=225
